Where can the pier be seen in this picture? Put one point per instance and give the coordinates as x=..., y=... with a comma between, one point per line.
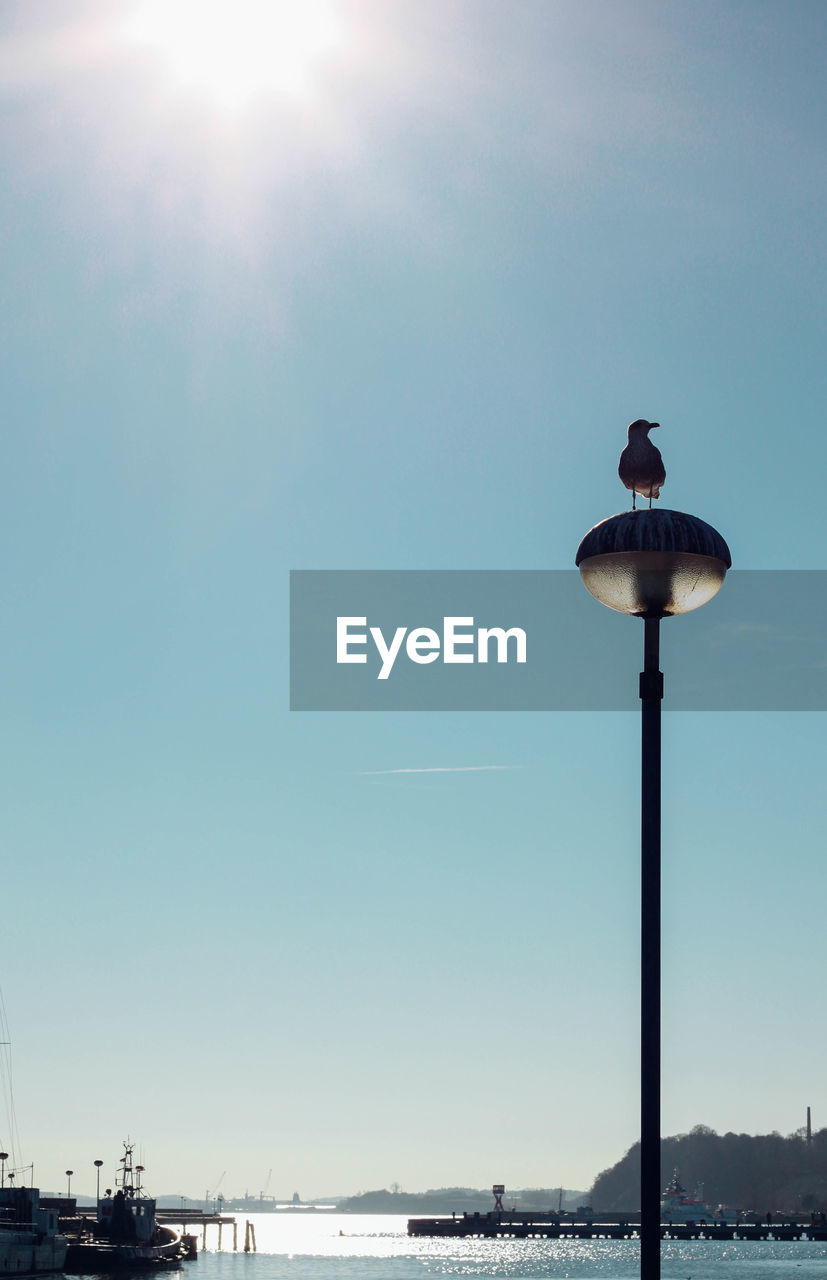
x=194, y=1222
x=604, y=1226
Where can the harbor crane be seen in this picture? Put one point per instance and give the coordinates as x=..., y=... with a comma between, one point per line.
x=210, y=1195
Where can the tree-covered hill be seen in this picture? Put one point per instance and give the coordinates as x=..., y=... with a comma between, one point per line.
x=447, y=1200
x=761, y=1173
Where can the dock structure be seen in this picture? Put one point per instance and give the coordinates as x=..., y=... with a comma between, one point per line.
x=605, y=1226
x=195, y=1221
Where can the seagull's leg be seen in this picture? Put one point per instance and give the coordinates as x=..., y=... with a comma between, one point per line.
x=650, y=497
x=634, y=494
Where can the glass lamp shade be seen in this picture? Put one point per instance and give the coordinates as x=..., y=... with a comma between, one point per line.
x=653, y=562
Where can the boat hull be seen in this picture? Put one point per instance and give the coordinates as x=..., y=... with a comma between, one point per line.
x=31, y=1257
x=93, y=1258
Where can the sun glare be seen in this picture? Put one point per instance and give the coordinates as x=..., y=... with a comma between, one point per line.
x=238, y=49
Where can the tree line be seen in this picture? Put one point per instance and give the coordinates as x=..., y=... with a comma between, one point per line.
x=457, y=1200
x=763, y=1173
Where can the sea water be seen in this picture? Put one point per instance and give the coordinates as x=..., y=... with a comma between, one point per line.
x=333, y=1246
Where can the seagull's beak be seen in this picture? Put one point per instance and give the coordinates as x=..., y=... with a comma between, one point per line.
x=653, y=424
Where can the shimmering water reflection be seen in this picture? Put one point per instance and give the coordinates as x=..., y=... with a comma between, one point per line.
x=343, y=1247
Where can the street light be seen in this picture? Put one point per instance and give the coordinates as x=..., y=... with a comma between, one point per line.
x=69, y=1173
x=4, y=1155
x=651, y=564
x=98, y=1164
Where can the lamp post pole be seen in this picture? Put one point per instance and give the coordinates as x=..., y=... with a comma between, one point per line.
x=651, y=565
x=651, y=696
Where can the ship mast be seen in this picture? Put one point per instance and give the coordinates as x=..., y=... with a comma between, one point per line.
x=125, y=1174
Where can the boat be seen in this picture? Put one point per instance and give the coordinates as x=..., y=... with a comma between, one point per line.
x=677, y=1206
x=29, y=1239
x=125, y=1235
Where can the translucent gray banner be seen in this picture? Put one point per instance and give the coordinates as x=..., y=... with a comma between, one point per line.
x=534, y=640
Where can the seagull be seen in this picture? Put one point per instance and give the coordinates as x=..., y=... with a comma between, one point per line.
x=641, y=467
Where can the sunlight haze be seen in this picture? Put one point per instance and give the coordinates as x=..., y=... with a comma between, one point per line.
x=237, y=50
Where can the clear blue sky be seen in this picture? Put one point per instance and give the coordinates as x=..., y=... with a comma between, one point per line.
x=383, y=291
